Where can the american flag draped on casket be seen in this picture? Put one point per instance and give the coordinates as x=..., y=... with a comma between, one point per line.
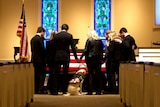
x=74, y=66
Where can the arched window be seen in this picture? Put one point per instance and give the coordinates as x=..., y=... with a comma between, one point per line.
x=49, y=16
x=157, y=13
x=102, y=16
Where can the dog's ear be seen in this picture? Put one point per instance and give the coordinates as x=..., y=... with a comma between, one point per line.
x=84, y=72
x=79, y=71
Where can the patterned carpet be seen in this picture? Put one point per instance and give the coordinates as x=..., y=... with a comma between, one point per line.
x=107, y=100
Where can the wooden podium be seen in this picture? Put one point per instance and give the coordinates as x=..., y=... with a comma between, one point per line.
x=75, y=42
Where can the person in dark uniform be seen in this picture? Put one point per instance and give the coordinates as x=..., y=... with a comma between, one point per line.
x=38, y=59
x=114, y=56
x=62, y=43
x=128, y=44
x=50, y=54
x=93, y=53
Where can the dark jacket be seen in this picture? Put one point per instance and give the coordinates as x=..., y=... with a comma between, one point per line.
x=128, y=51
x=93, y=48
x=62, y=43
x=50, y=52
x=114, y=51
x=37, y=49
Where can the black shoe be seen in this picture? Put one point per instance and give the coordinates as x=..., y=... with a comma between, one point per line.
x=36, y=92
x=89, y=93
x=110, y=92
x=45, y=92
x=41, y=92
x=98, y=93
x=54, y=93
x=64, y=92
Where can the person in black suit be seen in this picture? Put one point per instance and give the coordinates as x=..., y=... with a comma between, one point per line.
x=128, y=44
x=93, y=53
x=50, y=53
x=62, y=43
x=113, y=58
x=38, y=59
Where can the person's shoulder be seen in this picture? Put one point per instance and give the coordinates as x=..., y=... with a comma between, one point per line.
x=69, y=33
x=98, y=40
x=34, y=37
x=63, y=32
x=131, y=37
x=57, y=35
x=128, y=37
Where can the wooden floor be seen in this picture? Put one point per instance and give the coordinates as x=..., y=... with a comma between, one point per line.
x=107, y=100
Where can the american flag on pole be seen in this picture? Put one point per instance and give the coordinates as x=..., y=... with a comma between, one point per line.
x=22, y=33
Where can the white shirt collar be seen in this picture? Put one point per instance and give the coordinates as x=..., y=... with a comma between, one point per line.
x=126, y=34
x=38, y=34
x=64, y=30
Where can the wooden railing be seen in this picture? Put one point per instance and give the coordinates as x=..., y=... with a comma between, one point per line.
x=140, y=84
x=16, y=84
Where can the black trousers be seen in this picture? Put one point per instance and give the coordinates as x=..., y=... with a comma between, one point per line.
x=50, y=84
x=39, y=74
x=112, y=69
x=65, y=66
x=94, y=75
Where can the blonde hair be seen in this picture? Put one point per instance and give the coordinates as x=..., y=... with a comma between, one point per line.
x=113, y=35
x=108, y=31
x=52, y=34
x=93, y=35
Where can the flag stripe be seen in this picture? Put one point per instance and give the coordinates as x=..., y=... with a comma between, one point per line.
x=74, y=65
x=22, y=33
x=20, y=27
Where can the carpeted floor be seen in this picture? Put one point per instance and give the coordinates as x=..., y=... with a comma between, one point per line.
x=108, y=100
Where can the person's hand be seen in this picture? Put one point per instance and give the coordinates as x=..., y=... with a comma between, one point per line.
x=102, y=62
x=118, y=40
x=78, y=60
x=107, y=44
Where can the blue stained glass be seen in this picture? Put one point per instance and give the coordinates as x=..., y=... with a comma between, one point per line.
x=102, y=9
x=102, y=17
x=49, y=16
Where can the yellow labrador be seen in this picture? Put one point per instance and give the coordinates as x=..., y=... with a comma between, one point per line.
x=75, y=84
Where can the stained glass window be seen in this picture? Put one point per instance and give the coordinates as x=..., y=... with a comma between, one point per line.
x=157, y=13
x=102, y=9
x=49, y=16
x=102, y=21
